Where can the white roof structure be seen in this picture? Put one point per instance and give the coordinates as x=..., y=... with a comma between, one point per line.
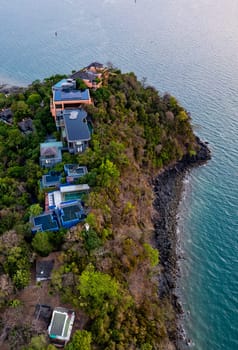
x=61, y=324
x=74, y=188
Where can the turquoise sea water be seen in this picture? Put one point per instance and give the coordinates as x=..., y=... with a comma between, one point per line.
x=186, y=47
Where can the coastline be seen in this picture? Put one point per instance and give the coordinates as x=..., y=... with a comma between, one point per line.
x=11, y=89
x=168, y=187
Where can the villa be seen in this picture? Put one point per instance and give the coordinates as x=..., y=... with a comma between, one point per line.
x=65, y=214
x=66, y=96
x=74, y=172
x=91, y=75
x=44, y=268
x=75, y=130
x=66, y=192
x=45, y=222
x=60, y=327
x=71, y=213
x=95, y=67
x=52, y=179
x=50, y=153
x=91, y=79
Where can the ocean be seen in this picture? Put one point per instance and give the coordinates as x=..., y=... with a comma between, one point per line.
x=190, y=49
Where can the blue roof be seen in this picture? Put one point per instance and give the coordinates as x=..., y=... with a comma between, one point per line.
x=59, y=84
x=56, y=144
x=72, y=95
x=51, y=179
x=46, y=222
x=76, y=126
x=72, y=214
x=75, y=170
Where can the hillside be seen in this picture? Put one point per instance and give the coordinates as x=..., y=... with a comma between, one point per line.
x=111, y=273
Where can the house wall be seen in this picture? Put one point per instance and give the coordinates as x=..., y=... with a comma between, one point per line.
x=74, y=148
x=61, y=106
x=49, y=162
x=92, y=85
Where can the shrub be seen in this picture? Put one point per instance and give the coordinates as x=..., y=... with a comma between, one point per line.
x=99, y=290
x=81, y=341
x=41, y=243
x=152, y=254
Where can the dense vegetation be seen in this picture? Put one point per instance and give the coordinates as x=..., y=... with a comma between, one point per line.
x=109, y=272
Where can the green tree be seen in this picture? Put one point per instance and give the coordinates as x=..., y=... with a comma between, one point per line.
x=51, y=347
x=21, y=278
x=17, y=266
x=146, y=346
x=20, y=110
x=38, y=342
x=41, y=243
x=182, y=116
x=81, y=341
x=34, y=100
x=108, y=174
x=35, y=210
x=153, y=254
x=80, y=84
x=91, y=239
x=99, y=290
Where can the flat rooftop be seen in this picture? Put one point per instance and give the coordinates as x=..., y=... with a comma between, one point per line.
x=75, y=170
x=61, y=323
x=54, y=198
x=43, y=269
x=72, y=212
x=58, y=324
x=76, y=125
x=74, y=188
x=46, y=222
x=71, y=95
x=51, y=179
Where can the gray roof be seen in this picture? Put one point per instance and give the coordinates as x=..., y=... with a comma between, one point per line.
x=26, y=125
x=43, y=311
x=43, y=269
x=6, y=113
x=76, y=126
x=95, y=64
x=84, y=75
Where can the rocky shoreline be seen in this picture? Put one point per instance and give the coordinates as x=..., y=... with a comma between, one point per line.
x=11, y=89
x=168, y=187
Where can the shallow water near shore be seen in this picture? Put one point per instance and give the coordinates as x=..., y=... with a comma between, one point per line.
x=186, y=47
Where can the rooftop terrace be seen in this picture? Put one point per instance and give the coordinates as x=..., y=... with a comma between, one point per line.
x=50, y=180
x=71, y=214
x=75, y=171
x=64, y=83
x=71, y=95
x=76, y=126
x=61, y=324
x=45, y=222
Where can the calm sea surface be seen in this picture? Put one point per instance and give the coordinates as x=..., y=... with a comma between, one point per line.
x=186, y=47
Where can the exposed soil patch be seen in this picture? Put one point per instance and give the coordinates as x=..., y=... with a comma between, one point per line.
x=25, y=319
